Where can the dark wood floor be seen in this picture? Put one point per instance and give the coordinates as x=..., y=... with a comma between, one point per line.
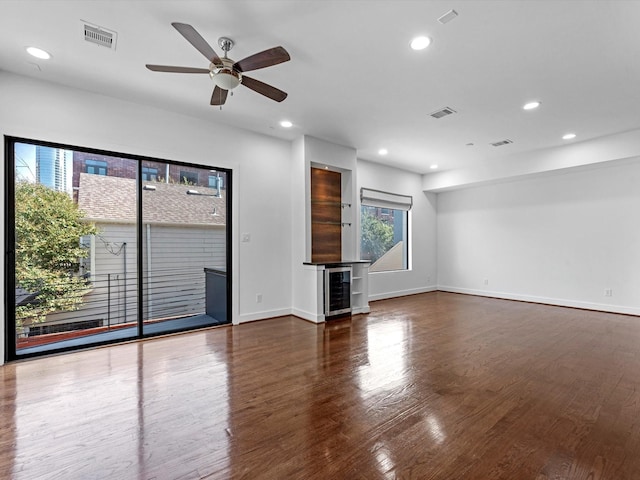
x=433, y=386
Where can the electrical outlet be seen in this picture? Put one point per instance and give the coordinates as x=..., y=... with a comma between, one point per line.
x=246, y=237
x=486, y=281
x=608, y=292
x=259, y=298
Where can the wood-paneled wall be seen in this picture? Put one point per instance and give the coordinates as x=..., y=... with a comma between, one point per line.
x=326, y=216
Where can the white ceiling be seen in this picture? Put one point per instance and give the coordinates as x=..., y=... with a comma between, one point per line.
x=352, y=78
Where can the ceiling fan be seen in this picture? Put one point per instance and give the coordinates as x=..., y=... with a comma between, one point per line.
x=225, y=73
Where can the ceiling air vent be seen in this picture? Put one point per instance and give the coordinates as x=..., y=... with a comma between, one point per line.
x=443, y=112
x=447, y=17
x=100, y=36
x=502, y=142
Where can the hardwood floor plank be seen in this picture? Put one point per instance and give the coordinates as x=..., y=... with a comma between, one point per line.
x=431, y=386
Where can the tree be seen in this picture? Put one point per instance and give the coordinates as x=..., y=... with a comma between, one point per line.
x=377, y=237
x=48, y=230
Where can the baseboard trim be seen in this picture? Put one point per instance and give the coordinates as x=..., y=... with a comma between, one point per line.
x=311, y=317
x=252, y=317
x=558, y=302
x=401, y=293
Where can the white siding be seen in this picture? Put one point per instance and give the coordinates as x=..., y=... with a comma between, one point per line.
x=173, y=272
x=112, y=299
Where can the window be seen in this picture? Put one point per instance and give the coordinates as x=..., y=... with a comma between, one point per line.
x=114, y=257
x=216, y=181
x=87, y=245
x=149, y=174
x=190, y=178
x=384, y=221
x=95, y=167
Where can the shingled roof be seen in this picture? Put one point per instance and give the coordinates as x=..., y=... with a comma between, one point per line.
x=108, y=199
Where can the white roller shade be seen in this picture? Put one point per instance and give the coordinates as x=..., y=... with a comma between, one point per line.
x=378, y=198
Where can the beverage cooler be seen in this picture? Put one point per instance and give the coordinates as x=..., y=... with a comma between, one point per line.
x=337, y=291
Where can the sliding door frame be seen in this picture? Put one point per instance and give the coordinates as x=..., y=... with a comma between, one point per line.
x=11, y=352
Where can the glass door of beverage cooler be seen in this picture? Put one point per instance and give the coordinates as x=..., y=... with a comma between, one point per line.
x=337, y=290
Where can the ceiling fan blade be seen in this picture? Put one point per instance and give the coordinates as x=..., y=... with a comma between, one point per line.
x=173, y=69
x=195, y=39
x=219, y=96
x=264, y=89
x=273, y=56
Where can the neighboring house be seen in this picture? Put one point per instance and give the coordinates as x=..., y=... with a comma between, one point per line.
x=182, y=235
x=84, y=162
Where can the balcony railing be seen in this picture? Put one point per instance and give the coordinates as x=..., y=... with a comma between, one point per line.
x=111, y=302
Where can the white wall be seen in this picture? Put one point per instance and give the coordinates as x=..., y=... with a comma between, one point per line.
x=422, y=240
x=553, y=159
x=38, y=110
x=560, y=239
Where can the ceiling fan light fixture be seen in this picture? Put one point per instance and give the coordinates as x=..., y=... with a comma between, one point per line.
x=226, y=78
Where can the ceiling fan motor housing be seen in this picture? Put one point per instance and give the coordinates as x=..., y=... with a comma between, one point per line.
x=226, y=78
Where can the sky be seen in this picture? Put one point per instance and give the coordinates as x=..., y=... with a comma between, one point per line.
x=25, y=156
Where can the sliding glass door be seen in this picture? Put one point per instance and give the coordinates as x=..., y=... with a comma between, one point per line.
x=104, y=247
x=184, y=240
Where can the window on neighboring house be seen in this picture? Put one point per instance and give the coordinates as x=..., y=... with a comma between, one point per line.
x=149, y=174
x=384, y=230
x=86, y=243
x=95, y=167
x=190, y=178
x=213, y=181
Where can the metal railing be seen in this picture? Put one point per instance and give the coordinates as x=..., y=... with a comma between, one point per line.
x=110, y=301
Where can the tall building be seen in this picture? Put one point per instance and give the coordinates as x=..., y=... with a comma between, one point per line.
x=52, y=168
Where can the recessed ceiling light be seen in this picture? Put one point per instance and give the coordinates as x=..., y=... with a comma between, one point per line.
x=383, y=151
x=531, y=105
x=569, y=136
x=286, y=124
x=433, y=167
x=420, y=43
x=38, y=53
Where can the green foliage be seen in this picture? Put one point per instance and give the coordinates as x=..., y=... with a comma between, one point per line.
x=48, y=230
x=376, y=239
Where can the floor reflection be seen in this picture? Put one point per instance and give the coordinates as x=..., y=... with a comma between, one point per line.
x=120, y=412
x=387, y=351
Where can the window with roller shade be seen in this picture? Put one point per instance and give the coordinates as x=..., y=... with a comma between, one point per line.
x=384, y=229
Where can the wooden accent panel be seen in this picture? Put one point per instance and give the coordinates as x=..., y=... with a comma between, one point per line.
x=326, y=216
x=434, y=386
x=327, y=243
